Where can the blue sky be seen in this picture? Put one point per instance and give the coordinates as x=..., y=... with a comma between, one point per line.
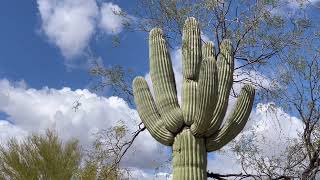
x=40, y=81
x=44, y=70
x=28, y=54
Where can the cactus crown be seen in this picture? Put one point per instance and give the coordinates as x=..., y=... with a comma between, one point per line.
x=207, y=81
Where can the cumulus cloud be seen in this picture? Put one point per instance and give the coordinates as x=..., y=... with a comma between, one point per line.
x=70, y=24
x=9, y=131
x=111, y=20
x=140, y=175
x=35, y=110
x=253, y=77
x=271, y=128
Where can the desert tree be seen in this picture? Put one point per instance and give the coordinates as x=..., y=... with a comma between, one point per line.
x=257, y=28
x=298, y=93
x=260, y=32
x=39, y=157
x=102, y=160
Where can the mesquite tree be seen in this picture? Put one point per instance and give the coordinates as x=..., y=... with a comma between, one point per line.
x=194, y=129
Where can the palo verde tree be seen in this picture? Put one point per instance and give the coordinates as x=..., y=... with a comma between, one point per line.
x=298, y=94
x=40, y=157
x=102, y=160
x=194, y=129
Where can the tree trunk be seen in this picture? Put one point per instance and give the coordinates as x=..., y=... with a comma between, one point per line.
x=189, y=157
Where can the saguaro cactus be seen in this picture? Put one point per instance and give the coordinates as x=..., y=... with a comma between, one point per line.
x=194, y=129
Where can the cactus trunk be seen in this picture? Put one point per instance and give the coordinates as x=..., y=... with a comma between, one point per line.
x=189, y=157
x=194, y=128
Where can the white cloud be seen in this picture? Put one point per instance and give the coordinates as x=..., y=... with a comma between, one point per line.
x=141, y=175
x=271, y=128
x=111, y=22
x=71, y=24
x=288, y=8
x=252, y=77
x=223, y=162
x=68, y=24
x=35, y=110
x=295, y=4
x=177, y=69
x=9, y=131
x=204, y=37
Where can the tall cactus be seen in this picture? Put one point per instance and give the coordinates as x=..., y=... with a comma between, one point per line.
x=194, y=129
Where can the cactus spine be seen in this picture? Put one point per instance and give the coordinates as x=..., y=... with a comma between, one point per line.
x=194, y=129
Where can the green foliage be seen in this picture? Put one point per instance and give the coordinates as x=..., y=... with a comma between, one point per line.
x=116, y=77
x=102, y=161
x=39, y=157
x=45, y=157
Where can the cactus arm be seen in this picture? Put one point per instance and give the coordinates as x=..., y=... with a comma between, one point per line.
x=235, y=123
x=206, y=79
x=208, y=50
x=191, y=59
x=206, y=95
x=148, y=112
x=189, y=100
x=163, y=82
x=191, y=49
x=225, y=64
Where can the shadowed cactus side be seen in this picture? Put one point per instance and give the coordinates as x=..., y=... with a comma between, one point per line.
x=194, y=129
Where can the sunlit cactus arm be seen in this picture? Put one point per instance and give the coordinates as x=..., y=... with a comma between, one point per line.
x=191, y=49
x=208, y=50
x=206, y=95
x=225, y=65
x=163, y=82
x=235, y=123
x=148, y=112
x=189, y=100
x=191, y=60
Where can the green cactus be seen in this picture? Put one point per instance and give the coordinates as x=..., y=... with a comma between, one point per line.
x=194, y=129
